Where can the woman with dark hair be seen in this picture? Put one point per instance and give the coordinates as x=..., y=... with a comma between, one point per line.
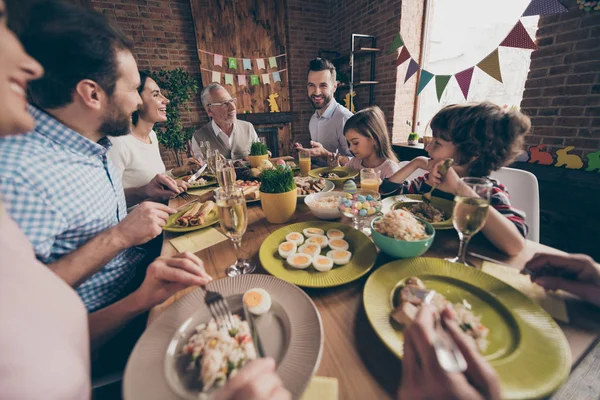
x=137, y=155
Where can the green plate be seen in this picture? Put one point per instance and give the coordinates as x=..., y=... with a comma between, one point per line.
x=526, y=347
x=363, y=257
x=343, y=173
x=209, y=182
x=211, y=219
x=392, y=203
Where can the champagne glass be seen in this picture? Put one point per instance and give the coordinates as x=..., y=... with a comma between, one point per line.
x=225, y=172
x=233, y=218
x=369, y=179
x=471, y=208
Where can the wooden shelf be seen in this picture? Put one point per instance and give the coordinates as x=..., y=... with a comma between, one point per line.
x=357, y=84
x=365, y=51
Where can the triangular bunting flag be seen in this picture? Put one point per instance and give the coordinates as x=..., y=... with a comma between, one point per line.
x=218, y=61
x=266, y=79
x=260, y=63
x=412, y=68
x=242, y=80
x=544, y=7
x=403, y=56
x=396, y=43
x=519, y=38
x=272, y=62
x=228, y=79
x=276, y=77
x=491, y=65
x=424, y=80
x=232, y=63
x=247, y=64
x=464, y=80
x=216, y=77
x=441, y=81
x=254, y=80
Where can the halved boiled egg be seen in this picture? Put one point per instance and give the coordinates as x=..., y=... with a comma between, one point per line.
x=339, y=257
x=257, y=300
x=335, y=234
x=299, y=260
x=308, y=232
x=286, y=249
x=321, y=240
x=322, y=263
x=312, y=249
x=338, y=244
x=295, y=237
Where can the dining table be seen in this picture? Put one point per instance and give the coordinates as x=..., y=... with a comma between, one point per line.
x=352, y=351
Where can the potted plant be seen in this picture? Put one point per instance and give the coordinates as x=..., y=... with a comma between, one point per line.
x=278, y=194
x=413, y=138
x=180, y=87
x=258, y=153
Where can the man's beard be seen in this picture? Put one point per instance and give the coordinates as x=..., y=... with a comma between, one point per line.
x=117, y=123
x=326, y=101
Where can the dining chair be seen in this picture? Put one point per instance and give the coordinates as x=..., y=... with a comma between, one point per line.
x=524, y=194
x=419, y=172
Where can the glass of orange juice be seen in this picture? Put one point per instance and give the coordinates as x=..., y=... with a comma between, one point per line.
x=304, y=159
x=369, y=179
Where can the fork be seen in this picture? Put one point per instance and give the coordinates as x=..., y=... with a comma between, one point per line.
x=218, y=309
x=188, y=197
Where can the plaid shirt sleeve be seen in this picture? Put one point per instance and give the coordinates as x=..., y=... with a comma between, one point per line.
x=500, y=200
x=414, y=186
x=37, y=218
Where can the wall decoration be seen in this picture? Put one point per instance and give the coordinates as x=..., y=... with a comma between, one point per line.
x=273, y=106
x=519, y=38
x=441, y=81
x=593, y=161
x=266, y=79
x=246, y=64
x=424, y=79
x=540, y=157
x=491, y=65
x=348, y=103
x=570, y=161
x=276, y=76
x=413, y=67
x=241, y=80
x=216, y=77
x=396, y=43
x=228, y=79
x=218, y=60
x=272, y=62
x=260, y=63
x=463, y=78
x=587, y=5
x=403, y=56
x=232, y=63
x=544, y=7
x=254, y=80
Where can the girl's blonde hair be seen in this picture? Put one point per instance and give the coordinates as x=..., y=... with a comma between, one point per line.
x=486, y=137
x=370, y=123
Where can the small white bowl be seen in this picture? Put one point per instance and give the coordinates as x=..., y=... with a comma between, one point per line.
x=324, y=213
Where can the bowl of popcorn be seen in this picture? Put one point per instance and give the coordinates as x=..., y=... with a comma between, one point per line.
x=325, y=205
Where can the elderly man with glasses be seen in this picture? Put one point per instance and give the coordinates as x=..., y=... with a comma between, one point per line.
x=225, y=133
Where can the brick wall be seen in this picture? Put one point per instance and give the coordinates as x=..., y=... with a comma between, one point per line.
x=163, y=36
x=562, y=92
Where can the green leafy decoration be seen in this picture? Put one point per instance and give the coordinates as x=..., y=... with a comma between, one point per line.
x=258, y=149
x=179, y=87
x=277, y=180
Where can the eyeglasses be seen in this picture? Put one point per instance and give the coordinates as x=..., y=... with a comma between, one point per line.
x=224, y=103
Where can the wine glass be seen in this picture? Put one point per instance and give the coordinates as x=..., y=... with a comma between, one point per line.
x=233, y=218
x=471, y=208
x=225, y=172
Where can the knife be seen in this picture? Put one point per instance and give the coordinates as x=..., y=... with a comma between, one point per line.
x=253, y=332
x=195, y=177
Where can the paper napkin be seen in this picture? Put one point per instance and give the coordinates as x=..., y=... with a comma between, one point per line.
x=553, y=303
x=197, y=240
x=321, y=388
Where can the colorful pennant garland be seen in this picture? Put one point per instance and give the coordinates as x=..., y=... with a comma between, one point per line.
x=516, y=38
x=246, y=63
x=242, y=79
x=544, y=7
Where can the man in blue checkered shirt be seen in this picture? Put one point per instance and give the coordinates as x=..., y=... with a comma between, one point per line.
x=58, y=185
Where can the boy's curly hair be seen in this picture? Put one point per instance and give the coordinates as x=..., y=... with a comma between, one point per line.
x=486, y=137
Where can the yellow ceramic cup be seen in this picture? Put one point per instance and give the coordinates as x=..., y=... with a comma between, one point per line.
x=256, y=161
x=279, y=207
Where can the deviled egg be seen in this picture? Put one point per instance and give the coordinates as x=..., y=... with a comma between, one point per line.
x=308, y=232
x=286, y=249
x=322, y=263
x=299, y=260
x=321, y=240
x=338, y=244
x=335, y=234
x=339, y=257
x=312, y=249
x=257, y=300
x=295, y=237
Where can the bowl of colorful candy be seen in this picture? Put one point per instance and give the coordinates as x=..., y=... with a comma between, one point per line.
x=362, y=207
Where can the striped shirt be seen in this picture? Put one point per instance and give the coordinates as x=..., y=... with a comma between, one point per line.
x=499, y=198
x=62, y=191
